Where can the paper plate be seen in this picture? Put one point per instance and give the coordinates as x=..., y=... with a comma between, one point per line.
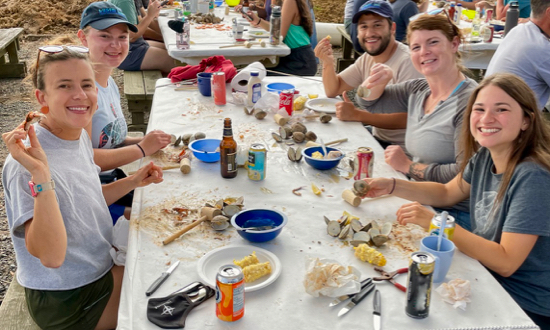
x=258, y=33
x=211, y=262
x=326, y=105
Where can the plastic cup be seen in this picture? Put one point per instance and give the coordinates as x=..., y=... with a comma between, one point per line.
x=203, y=82
x=443, y=257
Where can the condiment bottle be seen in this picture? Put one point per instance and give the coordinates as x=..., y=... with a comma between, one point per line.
x=275, y=28
x=228, y=151
x=452, y=10
x=182, y=38
x=476, y=27
x=458, y=14
x=254, y=88
x=512, y=16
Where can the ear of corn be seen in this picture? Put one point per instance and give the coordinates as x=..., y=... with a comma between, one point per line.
x=370, y=255
x=254, y=272
x=247, y=261
x=299, y=102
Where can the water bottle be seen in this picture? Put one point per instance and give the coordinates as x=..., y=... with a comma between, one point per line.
x=476, y=27
x=458, y=14
x=182, y=38
x=275, y=28
x=512, y=16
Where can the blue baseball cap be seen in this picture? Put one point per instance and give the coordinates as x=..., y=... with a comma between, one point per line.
x=378, y=7
x=102, y=15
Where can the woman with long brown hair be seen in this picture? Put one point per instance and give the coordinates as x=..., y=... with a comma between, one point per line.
x=296, y=30
x=507, y=179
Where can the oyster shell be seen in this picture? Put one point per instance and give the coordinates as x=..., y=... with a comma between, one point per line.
x=361, y=237
x=360, y=188
x=311, y=136
x=178, y=141
x=219, y=222
x=276, y=137
x=285, y=132
x=333, y=228
x=380, y=234
x=356, y=225
x=260, y=114
x=231, y=210
x=199, y=136
x=298, y=137
x=344, y=232
x=325, y=118
x=186, y=138
x=298, y=127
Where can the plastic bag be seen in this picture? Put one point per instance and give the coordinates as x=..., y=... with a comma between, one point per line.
x=269, y=102
x=120, y=241
x=329, y=278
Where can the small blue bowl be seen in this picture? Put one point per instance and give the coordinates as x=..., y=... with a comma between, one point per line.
x=218, y=3
x=272, y=220
x=279, y=87
x=498, y=27
x=321, y=164
x=205, y=150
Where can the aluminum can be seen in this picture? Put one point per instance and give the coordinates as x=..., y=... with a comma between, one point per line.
x=229, y=293
x=363, y=163
x=285, y=101
x=257, y=162
x=449, y=226
x=488, y=15
x=218, y=88
x=487, y=33
x=419, y=284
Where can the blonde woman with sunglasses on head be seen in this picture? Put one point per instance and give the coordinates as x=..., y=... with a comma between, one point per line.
x=56, y=207
x=506, y=175
x=105, y=31
x=429, y=108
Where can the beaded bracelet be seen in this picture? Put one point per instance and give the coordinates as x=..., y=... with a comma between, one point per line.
x=140, y=148
x=393, y=188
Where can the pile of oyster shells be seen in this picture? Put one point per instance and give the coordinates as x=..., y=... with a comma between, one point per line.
x=229, y=207
x=372, y=234
x=298, y=133
x=201, y=18
x=187, y=138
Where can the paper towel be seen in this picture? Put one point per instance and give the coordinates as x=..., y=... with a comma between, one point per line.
x=240, y=81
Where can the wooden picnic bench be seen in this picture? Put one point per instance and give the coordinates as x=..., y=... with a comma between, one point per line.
x=139, y=88
x=348, y=52
x=14, y=314
x=9, y=44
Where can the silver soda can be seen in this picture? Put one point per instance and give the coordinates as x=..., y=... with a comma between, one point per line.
x=419, y=284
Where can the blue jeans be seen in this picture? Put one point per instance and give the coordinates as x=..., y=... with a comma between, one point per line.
x=461, y=218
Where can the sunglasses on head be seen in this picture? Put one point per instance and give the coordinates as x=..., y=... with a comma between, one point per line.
x=54, y=49
x=433, y=13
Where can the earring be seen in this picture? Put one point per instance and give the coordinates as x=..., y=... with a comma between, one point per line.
x=45, y=109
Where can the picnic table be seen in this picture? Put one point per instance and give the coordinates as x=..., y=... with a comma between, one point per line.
x=283, y=303
x=206, y=42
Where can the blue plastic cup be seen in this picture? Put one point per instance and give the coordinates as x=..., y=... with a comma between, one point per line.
x=203, y=82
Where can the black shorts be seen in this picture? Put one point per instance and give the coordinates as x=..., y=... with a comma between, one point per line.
x=137, y=52
x=301, y=61
x=80, y=308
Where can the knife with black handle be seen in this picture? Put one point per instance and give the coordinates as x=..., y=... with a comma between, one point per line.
x=340, y=299
x=356, y=299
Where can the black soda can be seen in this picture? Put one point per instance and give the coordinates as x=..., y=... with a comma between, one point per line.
x=419, y=284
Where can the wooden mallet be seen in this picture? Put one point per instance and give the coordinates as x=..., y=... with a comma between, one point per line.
x=313, y=144
x=207, y=213
x=246, y=44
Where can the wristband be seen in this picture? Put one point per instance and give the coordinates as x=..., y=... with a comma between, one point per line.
x=140, y=148
x=41, y=187
x=259, y=21
x=393, y=188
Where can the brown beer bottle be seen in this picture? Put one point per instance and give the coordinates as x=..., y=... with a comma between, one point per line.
x=228, y=151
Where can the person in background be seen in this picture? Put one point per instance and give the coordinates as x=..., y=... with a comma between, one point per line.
x=524, y=52
x=422, y=5
x=402, y=11
x=431, y=108
x=144, y=54
x=506, y=177
x=468, y=4
x=348, y=15
x=153, y=30
x=376, y=36
x=56, y=207
x=503, y=5
x=105, y=31
x=296, y=30
x=357, y=4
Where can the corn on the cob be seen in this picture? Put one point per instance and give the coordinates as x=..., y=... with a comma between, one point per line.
x=254, y=272
x=247, y=261
x=299, y=102
x=366, y=253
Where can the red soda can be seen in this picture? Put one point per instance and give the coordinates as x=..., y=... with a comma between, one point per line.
x=488, y=32
x=364, y=163
x=218, y=88
x=488, y=15
x=229, y=293
x=285, y=101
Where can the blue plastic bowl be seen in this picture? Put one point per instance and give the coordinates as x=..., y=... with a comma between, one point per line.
x=498, y=27
x=218, y=3
x=279, y=87
x=205, y=150
x=259, y=218
x=321, y=164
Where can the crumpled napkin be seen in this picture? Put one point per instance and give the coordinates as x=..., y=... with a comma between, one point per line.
x=328, y=278
x=120, y=241
x=455, y=292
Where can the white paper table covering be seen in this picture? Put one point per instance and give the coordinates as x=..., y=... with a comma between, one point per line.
x=284, y=304
x=215, y=39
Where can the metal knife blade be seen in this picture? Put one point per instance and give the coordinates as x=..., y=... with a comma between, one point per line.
x=156, y=284
x=377, y=311
x=356, y=299
x=343, y=298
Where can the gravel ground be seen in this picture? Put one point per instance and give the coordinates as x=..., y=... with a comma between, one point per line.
x=16, y=99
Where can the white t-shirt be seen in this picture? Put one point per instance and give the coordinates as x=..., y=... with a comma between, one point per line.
x=109, y=127
x=403, y=70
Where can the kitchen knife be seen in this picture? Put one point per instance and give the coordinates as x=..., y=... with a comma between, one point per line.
x=340, y=299
x=161, y=279
x=356, y=299
x=377, y=311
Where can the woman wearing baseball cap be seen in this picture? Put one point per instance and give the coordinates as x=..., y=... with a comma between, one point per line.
x=104, y=29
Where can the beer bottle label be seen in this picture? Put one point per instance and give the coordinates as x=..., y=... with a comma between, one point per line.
x=231, y=162
x=227, y=131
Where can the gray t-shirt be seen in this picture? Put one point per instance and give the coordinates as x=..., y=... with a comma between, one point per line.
x=524, y=52
x=525, y=209
x=83, y=208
